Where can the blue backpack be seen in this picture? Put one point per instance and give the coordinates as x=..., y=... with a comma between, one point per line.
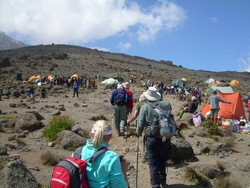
x=121, y=97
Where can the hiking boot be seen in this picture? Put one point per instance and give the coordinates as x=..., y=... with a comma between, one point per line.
x=122, y=134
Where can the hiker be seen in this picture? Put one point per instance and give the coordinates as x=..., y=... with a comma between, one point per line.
x=199, y=96
x=107, y=170
x=248, y=105
x=93, y=86
x=157, y=149
x=75, y=87
x=30, y=92
x=130, y=104
x=119, y=98
x=138, y=106
x=192, y=105
x=214, y=101
x=43, y=92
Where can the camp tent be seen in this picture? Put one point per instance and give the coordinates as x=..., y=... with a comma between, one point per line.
x=226, y=89
x=184, y=79
x=228, y=111
x=178, y=82
x=210, y=80
x=234, y=83
x=110, y=81
x=116, y=76
x=74, y=76
x=32, y=79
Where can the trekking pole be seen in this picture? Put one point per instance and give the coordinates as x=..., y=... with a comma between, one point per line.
x=137, y=160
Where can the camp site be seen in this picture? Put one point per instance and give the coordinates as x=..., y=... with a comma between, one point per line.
x=216, y=152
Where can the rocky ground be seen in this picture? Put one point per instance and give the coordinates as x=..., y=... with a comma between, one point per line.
x=96, y=102
x=66, y=60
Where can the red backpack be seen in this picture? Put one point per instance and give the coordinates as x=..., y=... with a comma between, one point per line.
x=71, y=172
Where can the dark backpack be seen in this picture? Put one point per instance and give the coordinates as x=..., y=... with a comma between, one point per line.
x=71, y=172
x=163, y=126
x=121, y=97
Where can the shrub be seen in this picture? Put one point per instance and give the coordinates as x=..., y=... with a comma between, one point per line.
x=11, y=70
x=212, y=127
x=57, y=124
x=226, y=183
x=220, y=165
x=192, y=175
x=51, y=159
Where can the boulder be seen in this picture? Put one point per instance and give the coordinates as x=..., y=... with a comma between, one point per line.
x=68, y=139
x=28, y=121
x=181, y=151
x=15, y=174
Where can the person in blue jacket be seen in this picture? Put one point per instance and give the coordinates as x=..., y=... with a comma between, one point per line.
x=108, y=169
x=119, y=98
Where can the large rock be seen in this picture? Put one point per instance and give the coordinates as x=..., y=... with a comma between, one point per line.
x=181, y=151
x=15, y=174
x=28, y=121
x=69, y=139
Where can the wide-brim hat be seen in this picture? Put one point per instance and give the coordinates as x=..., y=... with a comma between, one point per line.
x=152, y=95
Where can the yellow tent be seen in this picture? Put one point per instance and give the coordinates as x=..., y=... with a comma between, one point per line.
x=50, y=77
x=184, y=79
x=32, y=78
x=74, y=76
x=234, y=83
x=38, y=77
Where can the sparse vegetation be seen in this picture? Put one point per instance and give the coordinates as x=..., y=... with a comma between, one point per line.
x=212, y=127
x=57, y=124
x=193, y=176
x=51, y=159
x=226, y=183
x=220, y=165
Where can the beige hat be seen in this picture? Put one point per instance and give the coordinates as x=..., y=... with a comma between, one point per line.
x=119, y=86
x=142, y=98
x=193, y=98
x=126, y=85
x=152, y=95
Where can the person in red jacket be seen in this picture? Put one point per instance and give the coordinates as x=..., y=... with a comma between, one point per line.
x=130, y=104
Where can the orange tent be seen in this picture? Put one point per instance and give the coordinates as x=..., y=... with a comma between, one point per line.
x=228, y=111
x=234, y=83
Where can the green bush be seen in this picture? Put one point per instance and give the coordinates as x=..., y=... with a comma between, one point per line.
x=57, y=124
x=213, y=129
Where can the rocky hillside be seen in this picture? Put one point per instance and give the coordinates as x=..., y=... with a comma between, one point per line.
x=65, y=60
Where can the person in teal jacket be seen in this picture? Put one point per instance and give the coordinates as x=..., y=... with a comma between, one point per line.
x=107, y=170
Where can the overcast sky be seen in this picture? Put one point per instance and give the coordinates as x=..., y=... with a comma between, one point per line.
x=197, y=34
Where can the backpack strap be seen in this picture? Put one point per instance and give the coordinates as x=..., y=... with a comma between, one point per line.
x=78, y=152
x=96, y=154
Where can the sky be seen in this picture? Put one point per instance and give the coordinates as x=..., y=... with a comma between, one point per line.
x=211, y=35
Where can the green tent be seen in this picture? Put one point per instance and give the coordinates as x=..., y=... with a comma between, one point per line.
x=178, y=82
x=227, y=89
x=106, y=75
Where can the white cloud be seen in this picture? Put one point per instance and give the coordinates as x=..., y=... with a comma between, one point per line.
x=244, y=62
x=100, y=49
x=82, y=21
x=214, y=19
x=124, y=46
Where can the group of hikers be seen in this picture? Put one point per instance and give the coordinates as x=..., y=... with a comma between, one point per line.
x=156, y=149
x=110, y=169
